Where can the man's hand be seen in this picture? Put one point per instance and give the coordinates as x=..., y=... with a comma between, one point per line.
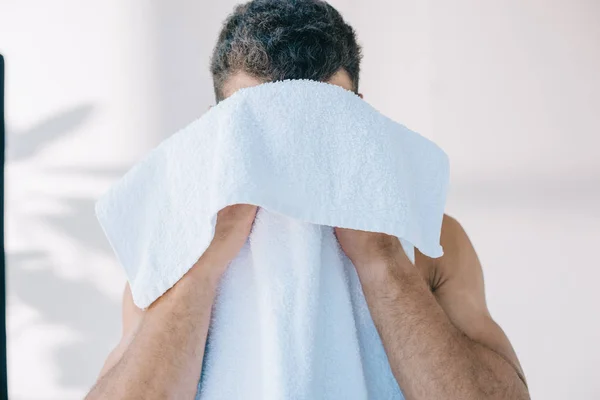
x=370, y=249
x=234, y=224
x=160, y=354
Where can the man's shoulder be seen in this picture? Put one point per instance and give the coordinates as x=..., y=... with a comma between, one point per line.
x=458, y=254
x=453, y=237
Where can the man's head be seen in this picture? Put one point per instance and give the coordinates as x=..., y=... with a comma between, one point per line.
x=273, y=40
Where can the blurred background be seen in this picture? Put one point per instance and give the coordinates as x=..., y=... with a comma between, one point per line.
x=510, y=90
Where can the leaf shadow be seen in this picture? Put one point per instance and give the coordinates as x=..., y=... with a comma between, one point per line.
x=75, y=304
x=78, y=305
x=21, y=145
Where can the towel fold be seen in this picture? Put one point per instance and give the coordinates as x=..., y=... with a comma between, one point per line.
x=290, y=320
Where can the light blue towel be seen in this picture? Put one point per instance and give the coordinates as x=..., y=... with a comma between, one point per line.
x=290, y=320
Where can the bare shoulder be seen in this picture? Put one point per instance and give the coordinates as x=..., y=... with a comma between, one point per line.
x=456, y=278
x=459, y=255
x=460, y=259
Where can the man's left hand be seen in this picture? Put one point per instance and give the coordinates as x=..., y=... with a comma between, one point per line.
x=365, y=248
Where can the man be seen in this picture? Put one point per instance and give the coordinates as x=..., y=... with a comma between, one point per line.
x=432, y=317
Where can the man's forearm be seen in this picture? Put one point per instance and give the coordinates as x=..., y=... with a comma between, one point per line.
x=164, y=359
x=429, y=356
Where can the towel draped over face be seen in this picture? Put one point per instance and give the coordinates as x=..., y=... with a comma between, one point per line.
x=290, y=320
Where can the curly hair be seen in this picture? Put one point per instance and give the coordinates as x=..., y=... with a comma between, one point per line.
x=285, y=39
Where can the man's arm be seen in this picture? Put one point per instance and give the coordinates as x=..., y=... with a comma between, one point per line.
x=441, y=345
x=131, y=319
x=160, y=355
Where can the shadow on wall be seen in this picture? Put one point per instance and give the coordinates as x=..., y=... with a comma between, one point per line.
x=75, y=304
x=23, y=145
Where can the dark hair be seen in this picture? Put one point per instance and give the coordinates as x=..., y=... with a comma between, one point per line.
x=285, y=39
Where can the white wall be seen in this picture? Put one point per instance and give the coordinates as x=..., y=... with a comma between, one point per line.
x=510, y=90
